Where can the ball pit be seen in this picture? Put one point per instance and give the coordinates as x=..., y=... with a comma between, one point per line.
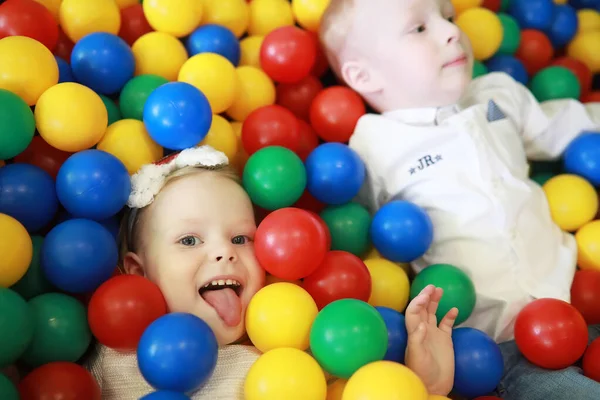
x=80, y=18
x=178, y=18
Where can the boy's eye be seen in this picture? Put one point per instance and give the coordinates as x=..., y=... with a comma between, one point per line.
x=420, y=28
x=190, y=241
x=451, y=19
x=240, y=239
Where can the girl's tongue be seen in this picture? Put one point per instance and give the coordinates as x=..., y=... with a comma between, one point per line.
x=227, y=304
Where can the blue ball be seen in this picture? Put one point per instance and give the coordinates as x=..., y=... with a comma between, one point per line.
x=79, y=255
x=582, y=157
x=510, y=65
x=165, y=395
x=217, y=39
x=479, y=365
x=177, y=115
x=564, y=26
x=64, y=71
x=532, y=14
x=111, y=223
x=177, y=352
x=397, y=335
x=103, y=62
x=93, y=184
x=401, y=231
x=28, y=194
x=334, y=173
x=579, y=4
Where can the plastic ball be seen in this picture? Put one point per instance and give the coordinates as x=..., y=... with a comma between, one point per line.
x=33, y=283
x=255, y=89
x=586, y=47
x=271, y=125
x=334, y=113
x=349, y=227
x=308, y=13
x=582, y=157
x=178, y=18
x=478, y=362
x=297, y=97
x=564, y=25
x=347, y=335
x=484, y=29
x=551, y=333
x=579, y=4
x=280, y=315
x=27, y=68
x=397, y=334
x=535, y=50
x=79, y=255
x=532, y=14
x=494, y=5
x=335, y=390
x=390, y=284
x=42, y=155
x=177, y=115
x=114, y=114
x=165, y=395
x=285, y=373
x=28, y=194
x=64, y=46
x=401, y=231
x=462, y=5
x=133, y=23
x=65, y=74
x=16, y=248
x=509, y=65
x=177, y=352
x=555, y=83
x=268, y=15
x=93, y=184
x=479, y=69
x=221, y=137
x=135, y=93
x=8, y=391
x=291, y=243
x=250, y=50
x=384, y=380
x=511, y=34
x=588, y=245
x=52, y=5
x=216, y=39
x=61, y=331
x=127, y=3
x=17, y=125
x=71, y=117
x=573, y=201
x=585, y=294
x=63, y=380
x=17, y=325
x=591, y=361
x=581, y=71
x=158, y=53
x=231, y=14
x=288, y=54
x=80, y=18
x=588, y=20
x=31, y=19
x=591, y=97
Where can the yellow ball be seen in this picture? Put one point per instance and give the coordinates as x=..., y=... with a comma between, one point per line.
x=126, y=3
x=213, y=75
x=128, y=140
x=71, y=117
x=79, y=18
x=222, y=137
x=255, y=90
x=586, y=48
x=588, y=246
x=280, y=315
x=484, y=30
x=573, y=201
x=336, y=389
x=373, y=253
x=285, y=373
x=389, y=284
x=588, y=20
x=159, y=53
x=232, y=14
x=463, y=5
x=27, y=68
x=176, y=17
x=268, y=15
x=16, y=249
x=250, y=50
x=52, y=5
x=437, y=397
x=384, y=380
x=308, y=13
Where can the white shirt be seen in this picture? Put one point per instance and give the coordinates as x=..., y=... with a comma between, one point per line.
x=471, y=176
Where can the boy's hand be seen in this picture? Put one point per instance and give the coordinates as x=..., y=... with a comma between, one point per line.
x=430, y=353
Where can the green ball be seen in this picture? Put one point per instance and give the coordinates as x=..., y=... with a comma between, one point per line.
x=479, y=69
x=550, y=167
x=17, y=125
x=34, y=282
x=61, y=330
x=555, y=83
x=512, y=34
x=135, y=93
x=504, y=5
x=542, y=178
x=346, y=335
x=349, y=227
x=8, y=391
x=16, y=326
x=459, y=290
x=274, y=177
x=114, y=114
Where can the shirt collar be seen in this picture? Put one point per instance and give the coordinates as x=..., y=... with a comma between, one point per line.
x=427, y=116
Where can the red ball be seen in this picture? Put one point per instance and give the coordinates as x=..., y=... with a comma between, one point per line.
x=585, y=295
x=291, y=243
x=44, y=156
x=334, y=113
x=271, y=125
x=133, y=24
x=535, y=50
x=591, y=97
x=551, y=333
x=581, y=71
x=321, y=64
x=493, y=5
x=64, y=46
x=122, y=308
x=342, y=275
x=297, y=97
x=591, y=361
x=309, y=203
x=308, y=140
x=59, y=380
x=28, y=18
x=288, y=54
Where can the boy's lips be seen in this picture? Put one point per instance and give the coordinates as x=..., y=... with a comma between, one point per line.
x=461, y=60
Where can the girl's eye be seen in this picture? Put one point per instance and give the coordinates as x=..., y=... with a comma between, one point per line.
x=240, y=239
x=190, y=241
x=451, y=19
x=420, y=28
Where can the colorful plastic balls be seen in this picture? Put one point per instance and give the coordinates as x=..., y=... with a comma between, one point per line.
x=555, y=83
x=80, y=18
x=288, y=54
x=17, y=125
x=297, y=97
x=268, y=15
x=532, y=14
x=484, y=29
x=564, y=25
x=114, y=114
x=16, y=326
x=158, y=53
x=232, y=14
x=133, y=24
x=585, y=295
x=586, y=47
x=28, y=18
x=8, y=391
x=65, y=74
x=397, y=334
x=551, y=333
x=308, y=13
x=135, y=93
x=291, y=243
x=582, y=157
x=165, y=395
x=511, y=34
x=390, y=286
x=334, y=113
x=308, y=140
x=177, y=18
x=271, y=125
x=509, y=65
x=217, y=39
x=583, y=73
x=16, y=248
x=59, y=380
x=34, y=282
x=591, y=361
x=535, y=50
x=349, y=227
x=254, y=90
x=479, y=69
x=588, y=245
x=573, y=201
x=177, y=352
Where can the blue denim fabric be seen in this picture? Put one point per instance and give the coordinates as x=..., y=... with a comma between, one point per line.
x=524, y=381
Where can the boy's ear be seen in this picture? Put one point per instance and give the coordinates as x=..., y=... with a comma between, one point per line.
x=360, y=77
x=132, y=264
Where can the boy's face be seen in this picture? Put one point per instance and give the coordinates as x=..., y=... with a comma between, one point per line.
x=197, y=247
x=407, y=53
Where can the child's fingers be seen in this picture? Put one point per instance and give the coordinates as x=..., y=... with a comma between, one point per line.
x=417, y=337
x=433, y=305
x=416, y=311
x=449, y=320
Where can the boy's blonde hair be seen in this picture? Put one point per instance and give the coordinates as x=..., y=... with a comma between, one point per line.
x=333, y=30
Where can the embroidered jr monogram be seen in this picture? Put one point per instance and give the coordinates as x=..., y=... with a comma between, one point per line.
x=425, y=162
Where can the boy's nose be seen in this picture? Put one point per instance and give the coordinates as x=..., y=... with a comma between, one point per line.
x=230, y=258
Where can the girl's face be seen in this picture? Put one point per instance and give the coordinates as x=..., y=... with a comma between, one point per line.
x=197, y=246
